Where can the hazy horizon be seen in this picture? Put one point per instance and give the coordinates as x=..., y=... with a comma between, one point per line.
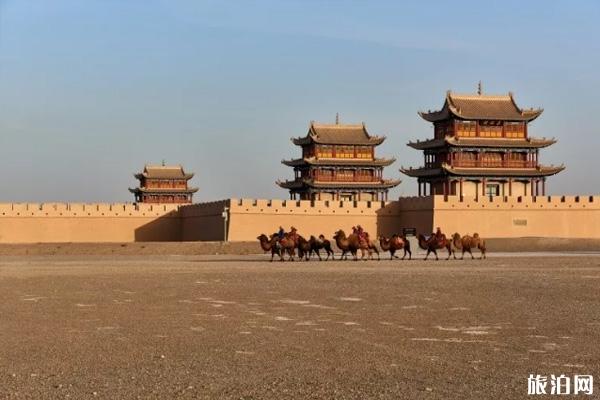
x=91, y=91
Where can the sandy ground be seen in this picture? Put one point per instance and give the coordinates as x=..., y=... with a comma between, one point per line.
x=126, y=327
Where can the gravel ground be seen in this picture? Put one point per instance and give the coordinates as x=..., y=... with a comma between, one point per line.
x=126, y=327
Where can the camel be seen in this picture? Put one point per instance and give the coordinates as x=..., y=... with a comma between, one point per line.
x=434, y=243
x=304, y=248
x=321, y=243
x=352, y=244
x=279, y=247
x=270, y=245
x=466, y=243
x=288, y=244
x=395, y=243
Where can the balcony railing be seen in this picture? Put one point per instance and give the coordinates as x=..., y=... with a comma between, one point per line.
x=493, y=164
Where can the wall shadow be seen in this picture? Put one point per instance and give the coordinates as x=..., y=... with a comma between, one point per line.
x=160, y=229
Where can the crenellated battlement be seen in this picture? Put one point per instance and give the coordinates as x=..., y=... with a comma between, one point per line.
x=87, y=210
x=518, y=202
x=288, y=207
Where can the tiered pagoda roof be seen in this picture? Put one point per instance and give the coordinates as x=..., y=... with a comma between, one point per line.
x=338, y=160
x=338, y=134
x=163, y=172
x=481, y=107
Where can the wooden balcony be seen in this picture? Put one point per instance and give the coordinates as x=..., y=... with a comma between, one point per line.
x=493, y=164
x=341, y=179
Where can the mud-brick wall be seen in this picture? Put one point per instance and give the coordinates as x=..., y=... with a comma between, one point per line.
x=77, y=222
x=249, y=218
x=204, y=221
x=513, y=217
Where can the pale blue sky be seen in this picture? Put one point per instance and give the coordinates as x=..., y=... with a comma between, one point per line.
x=91, y=90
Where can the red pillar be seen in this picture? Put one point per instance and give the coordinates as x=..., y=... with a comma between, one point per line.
x=510, y=186
x=461, y=187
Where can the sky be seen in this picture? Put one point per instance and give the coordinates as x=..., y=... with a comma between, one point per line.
x=92, y=90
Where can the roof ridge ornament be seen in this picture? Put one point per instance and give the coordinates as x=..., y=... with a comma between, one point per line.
x=337, y=118
x=479, y=88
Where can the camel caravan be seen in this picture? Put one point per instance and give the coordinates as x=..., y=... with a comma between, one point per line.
x=281, y=243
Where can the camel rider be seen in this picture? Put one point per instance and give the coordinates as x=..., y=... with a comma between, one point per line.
x=362, y=235
x=439, y=236
x=293, y=234
x=281, y=233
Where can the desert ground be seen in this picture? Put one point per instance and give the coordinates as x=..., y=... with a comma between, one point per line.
x=239, y=327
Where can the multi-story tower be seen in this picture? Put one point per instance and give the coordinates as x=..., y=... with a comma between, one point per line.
x=338, y=163
x=481, y=146
x=163, y=184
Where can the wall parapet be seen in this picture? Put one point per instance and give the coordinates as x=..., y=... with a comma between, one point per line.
x=520, y=202
x=300, y=207
x=87, y=210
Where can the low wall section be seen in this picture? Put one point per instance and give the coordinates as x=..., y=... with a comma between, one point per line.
x=248, y=218
x=65, y=222
x=204, y=221
x=547, y=216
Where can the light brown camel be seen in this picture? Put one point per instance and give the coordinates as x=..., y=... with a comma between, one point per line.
x=434, y=243
x=288, y=245
x=395, y=243
x=321, y=244
x=466, y=243
x=352, y=244
x=270, y=245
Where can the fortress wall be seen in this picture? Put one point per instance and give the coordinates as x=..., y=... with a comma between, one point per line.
x=416, y=213
x=249, y=218
x=97, y=222
x=204, y=221
x=553, y=216
x=542, y=216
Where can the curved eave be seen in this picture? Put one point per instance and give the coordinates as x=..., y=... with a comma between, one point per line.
x=500, y=142
x=370, y=141
x=508, y=172
x=435, y=116
x=378, y=162
x=421, y=172
x=427, y=144
x=146, y=176
x=482, y=142
x=385, y=184
x=163, y=191
x=450, y=110
x=444, y=114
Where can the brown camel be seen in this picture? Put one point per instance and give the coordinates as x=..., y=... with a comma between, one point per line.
x=395, y=243
x=304, y=248
x=288, y=245
x=466, y=243
x=270, y=245
x=352, y=244
x=321, y=244
x=434, y=243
